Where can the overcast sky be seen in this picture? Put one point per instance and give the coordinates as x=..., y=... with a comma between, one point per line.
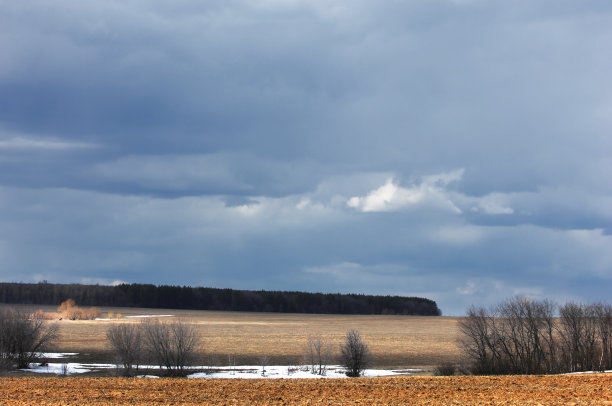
x=459, y=150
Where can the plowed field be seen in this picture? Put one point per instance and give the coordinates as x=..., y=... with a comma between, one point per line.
x=594, y=389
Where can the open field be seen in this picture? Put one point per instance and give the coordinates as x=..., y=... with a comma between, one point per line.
x=395, y=341
x=588, y=389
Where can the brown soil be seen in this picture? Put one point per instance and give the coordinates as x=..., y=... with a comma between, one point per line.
x=588, y=389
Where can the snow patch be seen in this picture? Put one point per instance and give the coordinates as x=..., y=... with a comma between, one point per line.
x=69, y=368
x=56, y=355
x=286, y=372
x=224, y=372
x=141, y=316
x=149, y=315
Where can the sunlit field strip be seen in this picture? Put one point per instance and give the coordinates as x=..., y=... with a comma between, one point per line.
x=588, y=389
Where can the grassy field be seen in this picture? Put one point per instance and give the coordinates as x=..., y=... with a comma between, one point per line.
x=591, y=389
x=395, y=341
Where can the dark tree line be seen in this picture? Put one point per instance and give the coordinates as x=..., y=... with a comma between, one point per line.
x=522, y=336
x=199, y=298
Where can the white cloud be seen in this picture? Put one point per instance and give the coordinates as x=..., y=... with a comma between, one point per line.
x=492, y=291
x=469, y=288
x=386, y=198
x=248, y=210
x=101, y=281
x=392, y=197
x=493, y=204
x=26, y=143
x=458, y=235
x=343, y=269
x=529, y=291
x=303, y=203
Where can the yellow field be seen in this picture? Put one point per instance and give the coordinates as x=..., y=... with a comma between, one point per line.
x=592, y=389
x=395, y=341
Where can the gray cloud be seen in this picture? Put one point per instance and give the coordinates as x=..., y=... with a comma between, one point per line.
x=455, y=149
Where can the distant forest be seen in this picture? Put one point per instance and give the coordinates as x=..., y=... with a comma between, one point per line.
x=199, y=298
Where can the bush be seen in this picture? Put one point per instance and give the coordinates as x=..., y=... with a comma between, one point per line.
x=445, y=369
x=171, y=345
x=69, y=310
x=316, y=355
x=23, y=337
x=355, y=354
x=126, y=342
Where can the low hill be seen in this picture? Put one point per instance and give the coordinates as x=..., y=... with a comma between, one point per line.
x=201, y=298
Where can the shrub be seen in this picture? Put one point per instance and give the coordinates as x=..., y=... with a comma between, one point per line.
x=171, y=345
x=355, y=354
x=23, y=337
x=69, y=310
x=316, y=355
x=126, y=342
x=445, y=369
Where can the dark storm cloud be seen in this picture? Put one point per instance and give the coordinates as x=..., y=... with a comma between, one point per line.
x=452, y=149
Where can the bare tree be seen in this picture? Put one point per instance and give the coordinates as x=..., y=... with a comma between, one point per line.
x=516, y=336
x=522, y=336
x=264, y=361
x=478, y=340
x=23, y=337
x=126, y=341
x=603, y=312
x=578, y=331
x=232, y=363
x=172, y=345
x=317, y=354
x=355, y=354
x=548, y=332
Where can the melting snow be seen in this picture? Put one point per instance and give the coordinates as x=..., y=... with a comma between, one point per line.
x=286, y=372
x=228, y=372
x=149, y=315
x=141, y=316
x=55, y=355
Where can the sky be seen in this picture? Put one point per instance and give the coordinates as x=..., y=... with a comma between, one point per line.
x=458, y=150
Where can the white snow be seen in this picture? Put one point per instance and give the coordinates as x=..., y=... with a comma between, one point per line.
x=149, y=315
x=55, y=355
x=140, y=316
x=287, y=372
x=226, y=372
x=590, y=372
x=70, y=368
